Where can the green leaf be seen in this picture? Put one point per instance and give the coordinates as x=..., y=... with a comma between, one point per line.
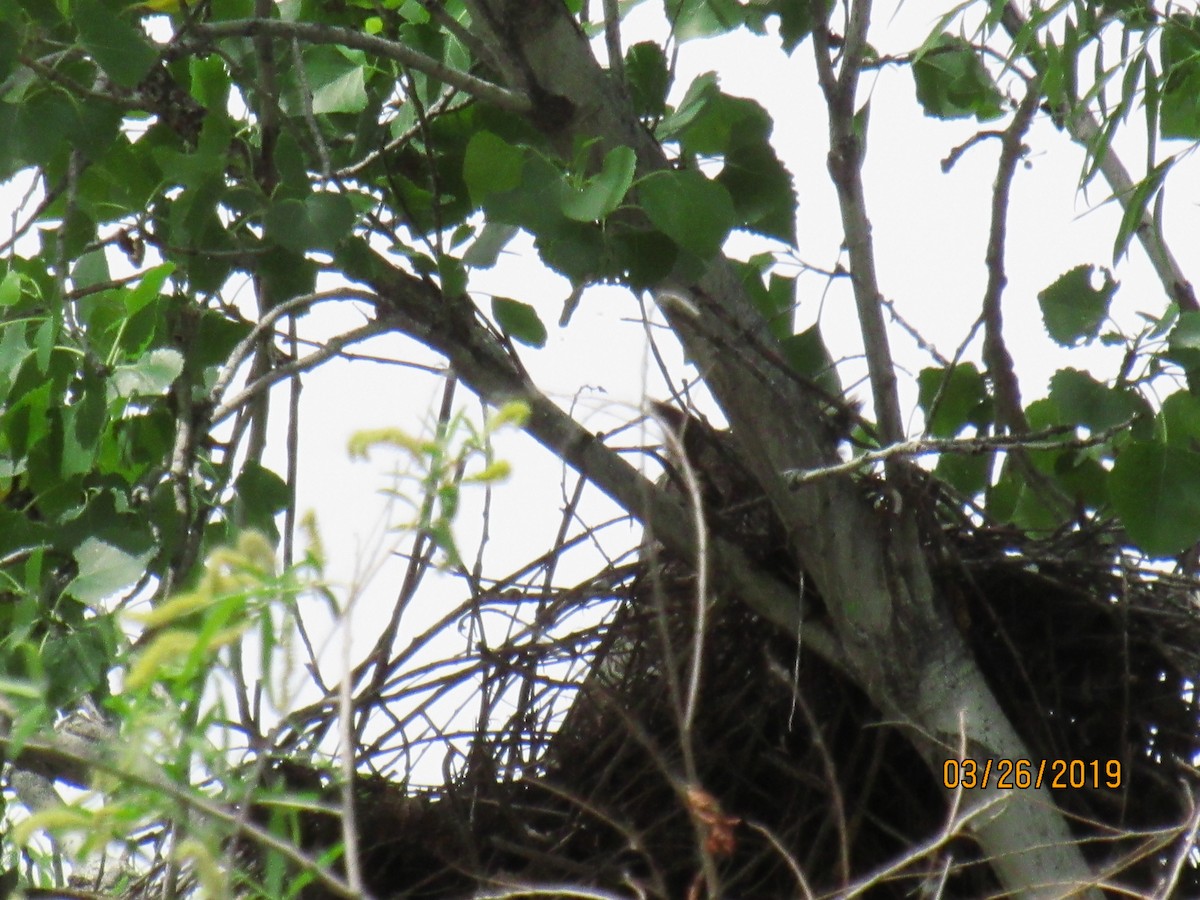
x=722, y=122
x=694, y=212
x=573, y=249
x=336, y=77
x=643, y=258
x=14, y=350
x=953, y=83
x=1186, y=333
x=797, y=20
x=776, y=301
x=119, y=47
x=967, y=474
x=104, y=570
x=25, y=421
x=491, y=165
x=519, y=321
x=147, y=290
x=287, y=274
x=210, y=81
x=649, y=78
x=10, y=289
x=82, y=424
x=1135, y=210
x=78, y=662
x=703, y=18
x=44, y=341
x=1081, y=400
x=452, y=274
x=699, y=94
x=39, y=126
x=761, y=188
x=1179, y=99
x=713, y=124
x=330, y=216
x=485, y=249
x=287, y=225
x=601, y=194
x=951, y=400
x=1072, y=309
x=1183, y=347
x=260, y=495
x=319, y=222
x=90, y=270
x=10, y=48
x=1179, y=419
x=260, y=488
x=808, y=356
x=1155, y=490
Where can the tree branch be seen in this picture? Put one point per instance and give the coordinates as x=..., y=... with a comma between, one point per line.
x=419, y=310
x=995, y=354
x=502, y=98
x=847, y=150
x=966, y=446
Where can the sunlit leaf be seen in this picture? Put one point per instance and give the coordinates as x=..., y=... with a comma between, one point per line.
x=104, y=570
x=603, y=192
x=152, y=374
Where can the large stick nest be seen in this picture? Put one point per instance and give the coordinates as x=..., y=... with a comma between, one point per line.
x=1091, y=657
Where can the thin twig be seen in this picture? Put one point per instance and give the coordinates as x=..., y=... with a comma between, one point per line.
x=927, y=446
x=332, y=348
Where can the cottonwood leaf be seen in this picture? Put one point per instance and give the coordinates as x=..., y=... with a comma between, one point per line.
x=1072, y=309
x=601, y=194
x=152, y=374
x=1155, y=490
x=519, y=321
x=694, y=212
x=104, y=570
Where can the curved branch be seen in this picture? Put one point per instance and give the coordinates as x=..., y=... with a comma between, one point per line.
x=247, y=344
x=308, y=32
x=329, y=349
